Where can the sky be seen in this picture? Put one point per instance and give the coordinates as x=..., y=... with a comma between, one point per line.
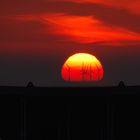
x=37, y=37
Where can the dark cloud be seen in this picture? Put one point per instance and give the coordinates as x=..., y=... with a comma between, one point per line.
x=110, y=15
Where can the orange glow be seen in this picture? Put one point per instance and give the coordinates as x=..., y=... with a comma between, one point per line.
x=86, y=29
x=82, y=67
x=81, y=29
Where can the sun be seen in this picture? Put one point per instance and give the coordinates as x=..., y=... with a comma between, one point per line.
x=82, y=67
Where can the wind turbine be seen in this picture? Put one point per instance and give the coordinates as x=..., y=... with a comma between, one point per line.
x=68, y=71
x=84, y=72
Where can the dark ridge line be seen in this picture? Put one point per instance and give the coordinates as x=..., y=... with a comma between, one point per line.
x=70, y=91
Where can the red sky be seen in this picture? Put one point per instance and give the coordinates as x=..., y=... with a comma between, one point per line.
x=44, y=30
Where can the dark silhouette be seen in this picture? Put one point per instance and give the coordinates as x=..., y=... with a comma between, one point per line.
x=88, y=72
x=72, y=113
x=121, y=84
x=68, y=71
x=30, y=85
x=84, y=72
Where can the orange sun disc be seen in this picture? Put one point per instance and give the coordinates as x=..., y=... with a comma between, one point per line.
x=82, y=67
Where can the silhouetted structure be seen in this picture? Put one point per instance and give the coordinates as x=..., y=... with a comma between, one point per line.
x=121, y=84
x=89, y=73
x=30, y=85
x=68, y=71
x=84, y=72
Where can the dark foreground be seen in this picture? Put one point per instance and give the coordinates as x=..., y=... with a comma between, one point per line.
x=31, y=113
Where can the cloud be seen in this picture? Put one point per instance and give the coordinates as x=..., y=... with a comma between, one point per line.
x=109, y=11
x=111, y=15
x=61, y=27
x=75, y=21
x=131, y=6
x=83, y=29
